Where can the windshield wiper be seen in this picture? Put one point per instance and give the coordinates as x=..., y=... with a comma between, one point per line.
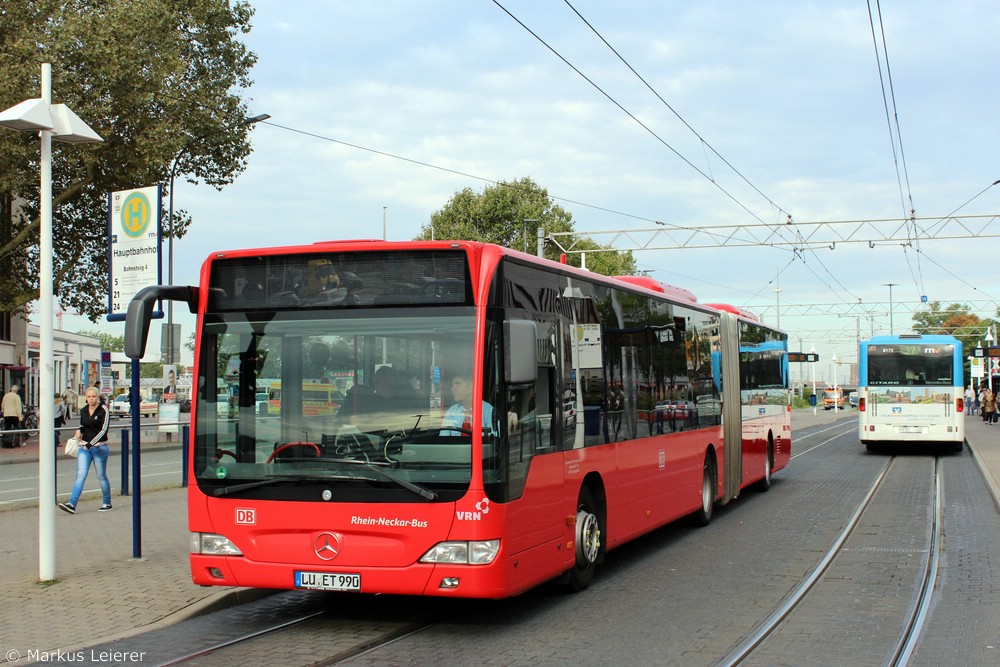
x=236, y=488
x=421, y=491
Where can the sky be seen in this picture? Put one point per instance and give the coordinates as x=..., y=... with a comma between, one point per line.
x=380, y=112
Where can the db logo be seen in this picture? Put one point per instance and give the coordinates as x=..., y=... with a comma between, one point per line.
x=246, y=516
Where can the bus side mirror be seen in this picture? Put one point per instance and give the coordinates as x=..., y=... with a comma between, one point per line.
x=140, y=312
x=520, y=365
x=137, y=327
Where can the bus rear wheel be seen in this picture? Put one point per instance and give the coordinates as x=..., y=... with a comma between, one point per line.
x=765, y=483
x=702, y=517
x=588, y=541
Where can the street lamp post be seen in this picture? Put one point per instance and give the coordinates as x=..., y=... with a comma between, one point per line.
x=524, y=231
x=987, y=370
x=812, y=350
x=170, y=227
x=890, y=286
x=51, y=121
x=836, y=399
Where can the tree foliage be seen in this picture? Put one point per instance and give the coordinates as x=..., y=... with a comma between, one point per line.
x=510, y=214
x=109, y=342
x=159, y=80
x=953, y=320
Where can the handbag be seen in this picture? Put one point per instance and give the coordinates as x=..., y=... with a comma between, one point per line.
x=72, y=447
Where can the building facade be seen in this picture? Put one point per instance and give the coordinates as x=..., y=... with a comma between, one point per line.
x=76, y=363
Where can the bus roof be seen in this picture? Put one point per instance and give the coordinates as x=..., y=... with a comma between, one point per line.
x=932, y=339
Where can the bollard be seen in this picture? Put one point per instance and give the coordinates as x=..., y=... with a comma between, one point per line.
x=124, y=462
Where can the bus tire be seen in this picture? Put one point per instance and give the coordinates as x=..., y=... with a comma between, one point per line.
x=765, y=483
x=588, y=541
x=871, y=446
x=703, y=516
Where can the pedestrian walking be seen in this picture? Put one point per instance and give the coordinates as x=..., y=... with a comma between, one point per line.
x=13, y=413
x=60, y=416
x=990, y=407
x=93, y=436
x=69, y=402
x=982, y=402
x=970, y=397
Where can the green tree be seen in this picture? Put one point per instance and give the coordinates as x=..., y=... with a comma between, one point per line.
x=953, y=320
x=510, y=214
x=159, y=80
x=109, y=342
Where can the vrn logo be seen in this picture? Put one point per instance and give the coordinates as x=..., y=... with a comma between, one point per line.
x=482, y=508
x=897, y=411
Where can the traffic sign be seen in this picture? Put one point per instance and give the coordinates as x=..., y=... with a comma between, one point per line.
x=134, y=246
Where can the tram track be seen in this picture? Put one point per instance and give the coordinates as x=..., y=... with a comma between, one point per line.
x=303, y=632
x=917, y=612
x=239, y=639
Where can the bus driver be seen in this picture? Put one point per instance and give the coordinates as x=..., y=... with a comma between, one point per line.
x=459, y=414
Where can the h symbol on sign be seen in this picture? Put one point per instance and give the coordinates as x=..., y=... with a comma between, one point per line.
x=135, y=213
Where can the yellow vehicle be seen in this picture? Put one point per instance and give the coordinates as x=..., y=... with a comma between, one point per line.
x=318, y=398
x=833, y=399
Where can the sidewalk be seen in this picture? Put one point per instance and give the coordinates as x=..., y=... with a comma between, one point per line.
x=102, y=593
x=150, y=439
x=984, y=443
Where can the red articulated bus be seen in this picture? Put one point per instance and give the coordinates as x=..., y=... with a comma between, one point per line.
x=496, y=433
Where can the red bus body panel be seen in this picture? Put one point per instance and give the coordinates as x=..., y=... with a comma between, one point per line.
x=648, y=482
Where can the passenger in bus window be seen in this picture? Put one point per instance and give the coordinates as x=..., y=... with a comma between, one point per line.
x=320, y=277
x=385, y=383
x=459, y=415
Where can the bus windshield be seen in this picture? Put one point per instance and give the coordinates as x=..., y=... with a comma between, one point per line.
x=358, y=404
x=910, y=364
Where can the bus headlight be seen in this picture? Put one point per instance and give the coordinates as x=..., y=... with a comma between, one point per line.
x=463, y=553
x=210, y=544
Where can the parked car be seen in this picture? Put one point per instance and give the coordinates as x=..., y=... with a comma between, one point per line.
x=120, y=406
x=569, y=415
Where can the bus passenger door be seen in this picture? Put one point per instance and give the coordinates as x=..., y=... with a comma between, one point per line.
x=535, y=466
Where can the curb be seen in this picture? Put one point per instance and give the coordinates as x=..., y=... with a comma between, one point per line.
x=984, y=472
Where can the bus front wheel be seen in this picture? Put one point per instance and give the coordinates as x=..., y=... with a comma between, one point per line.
x=588, y=541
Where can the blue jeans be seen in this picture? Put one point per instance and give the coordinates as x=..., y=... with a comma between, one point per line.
x=99, y=455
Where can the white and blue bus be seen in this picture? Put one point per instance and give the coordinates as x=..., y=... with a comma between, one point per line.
x=911, y=390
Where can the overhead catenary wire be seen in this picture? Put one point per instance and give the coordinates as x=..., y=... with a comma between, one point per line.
x=484, y=179
x=895, y=134
x=703, y=141
x=778, y=229
x=632, y=116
